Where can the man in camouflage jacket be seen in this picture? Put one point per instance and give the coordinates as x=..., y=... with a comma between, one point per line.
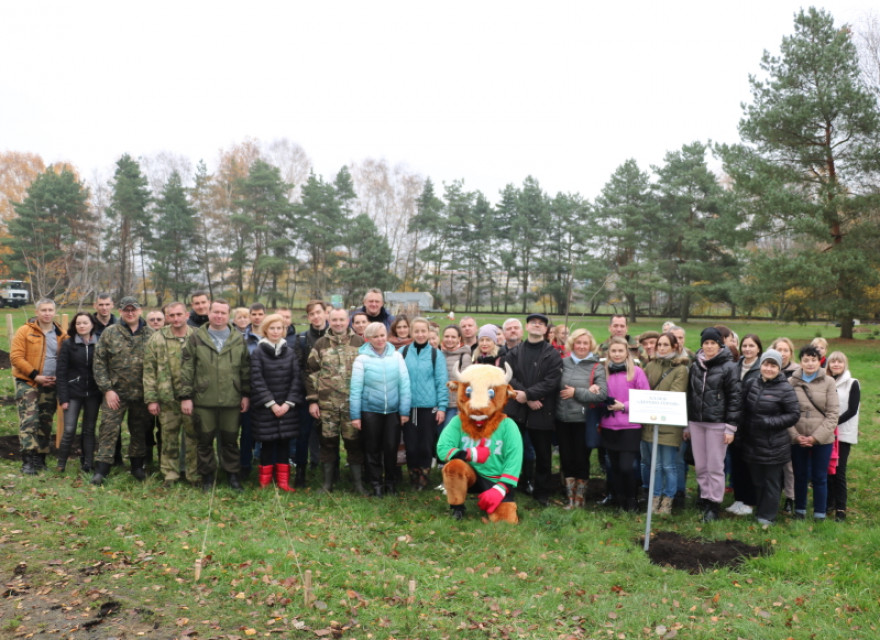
x=119, y=373
x=162, y=378
x=328, y=370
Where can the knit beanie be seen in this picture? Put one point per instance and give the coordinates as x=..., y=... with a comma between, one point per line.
x=488, y=331
x=774, y=355
x=711, y=333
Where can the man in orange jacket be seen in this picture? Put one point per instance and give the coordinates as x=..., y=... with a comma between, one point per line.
x=34, y=356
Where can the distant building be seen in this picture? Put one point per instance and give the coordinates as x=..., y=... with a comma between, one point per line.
x=410, y=303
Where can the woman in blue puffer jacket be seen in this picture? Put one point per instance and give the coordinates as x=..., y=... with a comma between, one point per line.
x=427, y=381
x=379, y=405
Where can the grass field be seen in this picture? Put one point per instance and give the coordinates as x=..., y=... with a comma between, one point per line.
x=401, y=568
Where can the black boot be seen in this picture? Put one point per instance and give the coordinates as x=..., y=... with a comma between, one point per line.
x=40, y=461
x=234, y=484
x=207, y=483
x=299, y=479
x=457, y=511
x=329, y=475
x=712, y=512
x=102, y=470
x=28, y=463
x=377, y=490
x=357, y=477
x=137, y=469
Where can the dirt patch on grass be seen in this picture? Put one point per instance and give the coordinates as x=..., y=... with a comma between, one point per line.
x=695, y=556
x=9, y=448
x=43, y=611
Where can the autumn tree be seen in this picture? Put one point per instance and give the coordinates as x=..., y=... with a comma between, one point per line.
x=808, y=164
x=48, y=235
x=17, y=171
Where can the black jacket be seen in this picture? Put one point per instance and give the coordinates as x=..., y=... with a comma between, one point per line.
x=195, y=320
x=769, y=409
x=274, y=377
x=74, y=377
x=714, y=389
x=539, y=380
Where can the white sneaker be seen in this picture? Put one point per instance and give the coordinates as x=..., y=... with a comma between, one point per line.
x=744, y=510
x=734, y=508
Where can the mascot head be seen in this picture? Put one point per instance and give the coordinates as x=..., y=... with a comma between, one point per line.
x=483, y=390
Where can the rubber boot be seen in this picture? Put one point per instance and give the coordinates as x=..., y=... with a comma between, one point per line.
x=40, y=461
x=62, y=465
x=265, y=477
x=234, y=482
x=137, y=469
x=299, y=479
x=329, y=474
x=102, y=470
x=357, y=477
x=29, y=463
x=282, y=477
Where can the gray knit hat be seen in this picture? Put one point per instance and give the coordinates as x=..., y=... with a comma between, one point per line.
x=774, y=355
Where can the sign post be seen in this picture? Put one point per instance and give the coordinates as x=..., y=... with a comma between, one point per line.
x=656, y=408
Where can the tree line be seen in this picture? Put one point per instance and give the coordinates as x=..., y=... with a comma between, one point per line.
x=787, y=228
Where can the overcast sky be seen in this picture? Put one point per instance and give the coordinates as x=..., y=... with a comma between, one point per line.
x=489, y=92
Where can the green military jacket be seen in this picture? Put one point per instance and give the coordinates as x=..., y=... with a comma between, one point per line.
x=162, y=365
x=212, y=378
x=119, y=360
x=328, y=370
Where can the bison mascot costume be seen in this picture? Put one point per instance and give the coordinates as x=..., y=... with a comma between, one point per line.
x=481, y=446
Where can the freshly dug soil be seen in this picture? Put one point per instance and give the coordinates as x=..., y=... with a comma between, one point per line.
x=695, y=556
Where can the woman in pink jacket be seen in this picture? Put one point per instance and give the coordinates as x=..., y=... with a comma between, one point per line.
x=621, y=438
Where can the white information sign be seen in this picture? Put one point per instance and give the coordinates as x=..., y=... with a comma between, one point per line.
x=658, y=407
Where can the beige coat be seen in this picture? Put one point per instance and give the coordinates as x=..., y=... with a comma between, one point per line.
x=818, y=410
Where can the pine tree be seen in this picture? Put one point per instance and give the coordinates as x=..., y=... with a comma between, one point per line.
x=808, y=163
x=174, y=247
x=129, y=226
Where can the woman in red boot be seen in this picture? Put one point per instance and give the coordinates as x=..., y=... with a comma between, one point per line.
x=276, y=389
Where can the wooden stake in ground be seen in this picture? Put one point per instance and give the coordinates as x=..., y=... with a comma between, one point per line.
x=412, y=592
x=308, y=588
x=59, y=430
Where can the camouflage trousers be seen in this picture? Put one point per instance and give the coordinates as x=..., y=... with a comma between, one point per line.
x=335, y=421
x=139, y=420
x=174, y=426
x=36, y=411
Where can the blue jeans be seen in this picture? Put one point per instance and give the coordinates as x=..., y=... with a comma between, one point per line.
x=666, y=478
x=810, y=464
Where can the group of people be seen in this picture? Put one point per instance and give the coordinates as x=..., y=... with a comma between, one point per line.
x=245, y=385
